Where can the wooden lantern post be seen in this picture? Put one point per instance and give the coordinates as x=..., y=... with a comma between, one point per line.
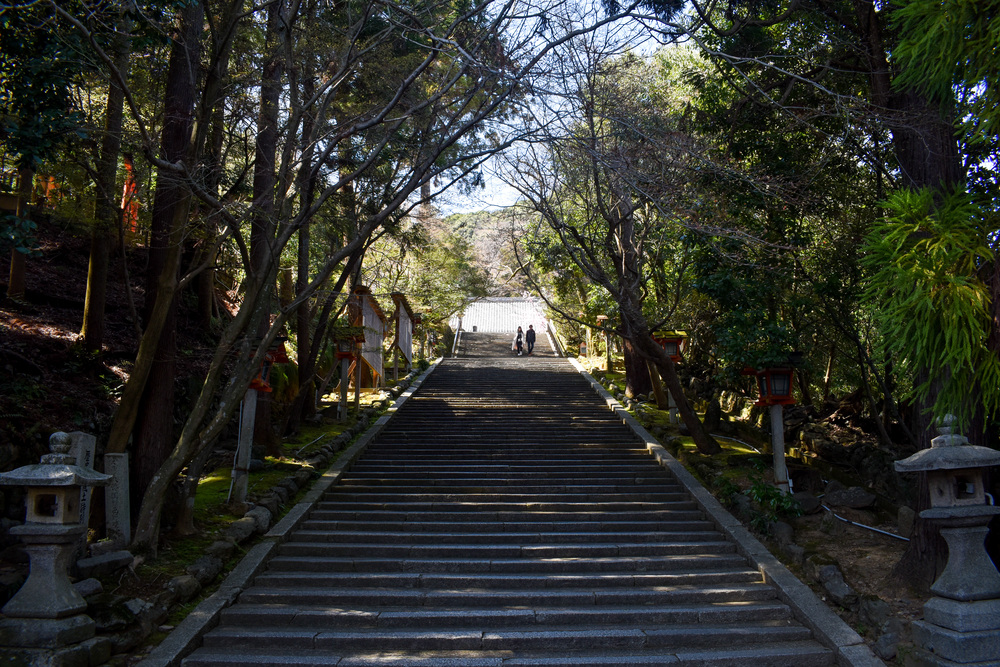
x=673, y=343
x=602, y=321
x=775, y=386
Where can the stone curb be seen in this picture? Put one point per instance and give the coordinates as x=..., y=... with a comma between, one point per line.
x=830, y=630
x=183, y=639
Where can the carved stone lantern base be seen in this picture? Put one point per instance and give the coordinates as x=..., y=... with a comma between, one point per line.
x=46, y=632
x=962, y=625
x=942, y=647
x=96, y=651
x=48, y=592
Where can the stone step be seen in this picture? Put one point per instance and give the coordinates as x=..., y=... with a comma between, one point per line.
x=472, y=475
x=800, y=654
x=493, y=468
x=674, y=563
x=609, y=550
x=496, y=487
x=583, y=505
x=515, y=496
x=678, y=636
x=472, y=438
x=470, y=459
x=480, y=581
x=583, y=597
x=689, y=513
x=606, y=434
x=624, y=452
x=506, y=517
x=501, y=530
x=324, y=617
x=425, y=537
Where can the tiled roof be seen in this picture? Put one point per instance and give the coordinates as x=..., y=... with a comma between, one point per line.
x=501, y=314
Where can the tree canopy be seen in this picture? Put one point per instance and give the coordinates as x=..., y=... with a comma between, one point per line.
x=784, y=180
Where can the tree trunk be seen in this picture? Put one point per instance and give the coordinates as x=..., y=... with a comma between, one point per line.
x=108, y=213
x=305, y=406
x=662, y=402
x=645, y=344
x=925, y=147
x=621, y=245
x=16, y=284
x=211, y=121
x=193, y=437
x=923, y=140
x=154, y=434
x=637, y=380
x=262, y=224
x=213, y=170
x=170, y=214
x=705, y=443
x=185, y=516
x=308, y=368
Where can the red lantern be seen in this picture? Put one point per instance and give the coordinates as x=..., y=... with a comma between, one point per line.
x=672, y=342
x=774, y=385
x=275, y=354
x=345, y=348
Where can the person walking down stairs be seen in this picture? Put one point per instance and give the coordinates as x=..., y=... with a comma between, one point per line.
x=529, y=337
x=518, y=343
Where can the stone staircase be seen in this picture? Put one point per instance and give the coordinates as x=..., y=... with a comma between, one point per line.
x=483, y=344
x=505, y=517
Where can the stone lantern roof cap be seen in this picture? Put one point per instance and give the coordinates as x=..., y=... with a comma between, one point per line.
x=56, y=469
x=53, y=474
x=949, y=451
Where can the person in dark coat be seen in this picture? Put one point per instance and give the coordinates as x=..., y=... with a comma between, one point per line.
x=529, y=338
x=518, y=343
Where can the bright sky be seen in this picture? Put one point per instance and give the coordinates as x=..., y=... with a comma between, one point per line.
x=498, y=194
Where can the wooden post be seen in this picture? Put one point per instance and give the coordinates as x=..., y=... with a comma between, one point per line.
x=244, y=447
x=661, y=396
x=345, y=370
x=602, y=321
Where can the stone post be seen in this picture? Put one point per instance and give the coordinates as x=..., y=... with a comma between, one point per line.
x=672, y=407
x=117, y=505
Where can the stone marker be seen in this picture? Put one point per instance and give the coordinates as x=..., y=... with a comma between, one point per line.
x=84, y=447
x=118, y=514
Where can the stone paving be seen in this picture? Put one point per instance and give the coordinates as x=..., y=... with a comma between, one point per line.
x=501, y=315
x=505, y=516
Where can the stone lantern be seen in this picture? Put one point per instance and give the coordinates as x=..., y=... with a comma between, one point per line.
x=962, y=623
x=47, y=612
